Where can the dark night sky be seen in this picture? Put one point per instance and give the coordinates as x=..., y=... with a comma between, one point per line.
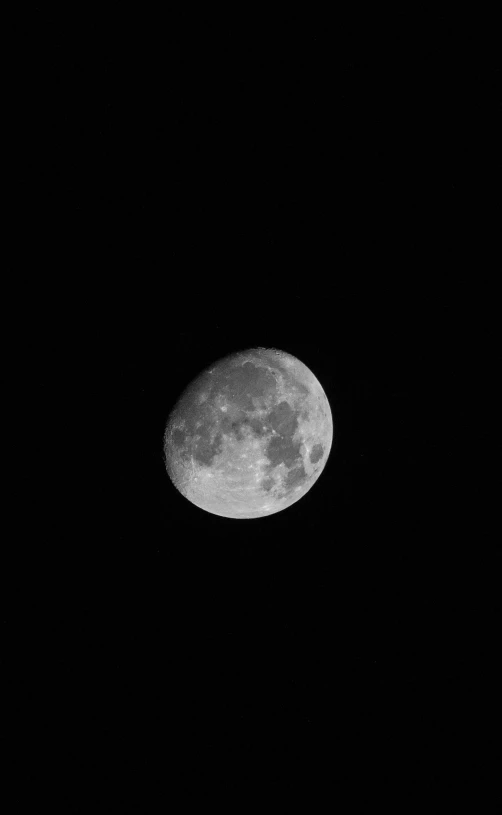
x=211, y=193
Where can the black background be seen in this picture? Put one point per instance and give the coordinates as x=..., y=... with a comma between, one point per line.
x=201, y=190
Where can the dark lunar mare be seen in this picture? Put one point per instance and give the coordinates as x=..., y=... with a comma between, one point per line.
x=316, y=453
x=282, y=448
x=280, y=424
x=202, y=447
x=178, y=438
x=238, y=385
x=195, y=438
x=295, y=477
x=242, y=383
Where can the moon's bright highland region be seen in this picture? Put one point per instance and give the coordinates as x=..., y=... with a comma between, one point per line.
x=249, y=436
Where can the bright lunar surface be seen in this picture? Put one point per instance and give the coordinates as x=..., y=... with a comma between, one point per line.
x=250, y=435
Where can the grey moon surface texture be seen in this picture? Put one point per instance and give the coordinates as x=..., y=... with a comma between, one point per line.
x=250, y=436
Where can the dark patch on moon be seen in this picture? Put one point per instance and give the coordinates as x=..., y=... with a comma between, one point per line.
x=197, y=441
x=316, y=453
x=226, y=424
x=295, y=476
x=280, y=425
x=237, y=427
x=205, y=450
x=246, y=382
x=178, y=438
x=282, y=419
x=281, y=448
x=257, y=426
x=267, y=483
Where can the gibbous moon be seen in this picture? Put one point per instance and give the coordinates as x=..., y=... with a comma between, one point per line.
x=250, y=436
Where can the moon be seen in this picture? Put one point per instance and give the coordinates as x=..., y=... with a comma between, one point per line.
x=250, y=436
